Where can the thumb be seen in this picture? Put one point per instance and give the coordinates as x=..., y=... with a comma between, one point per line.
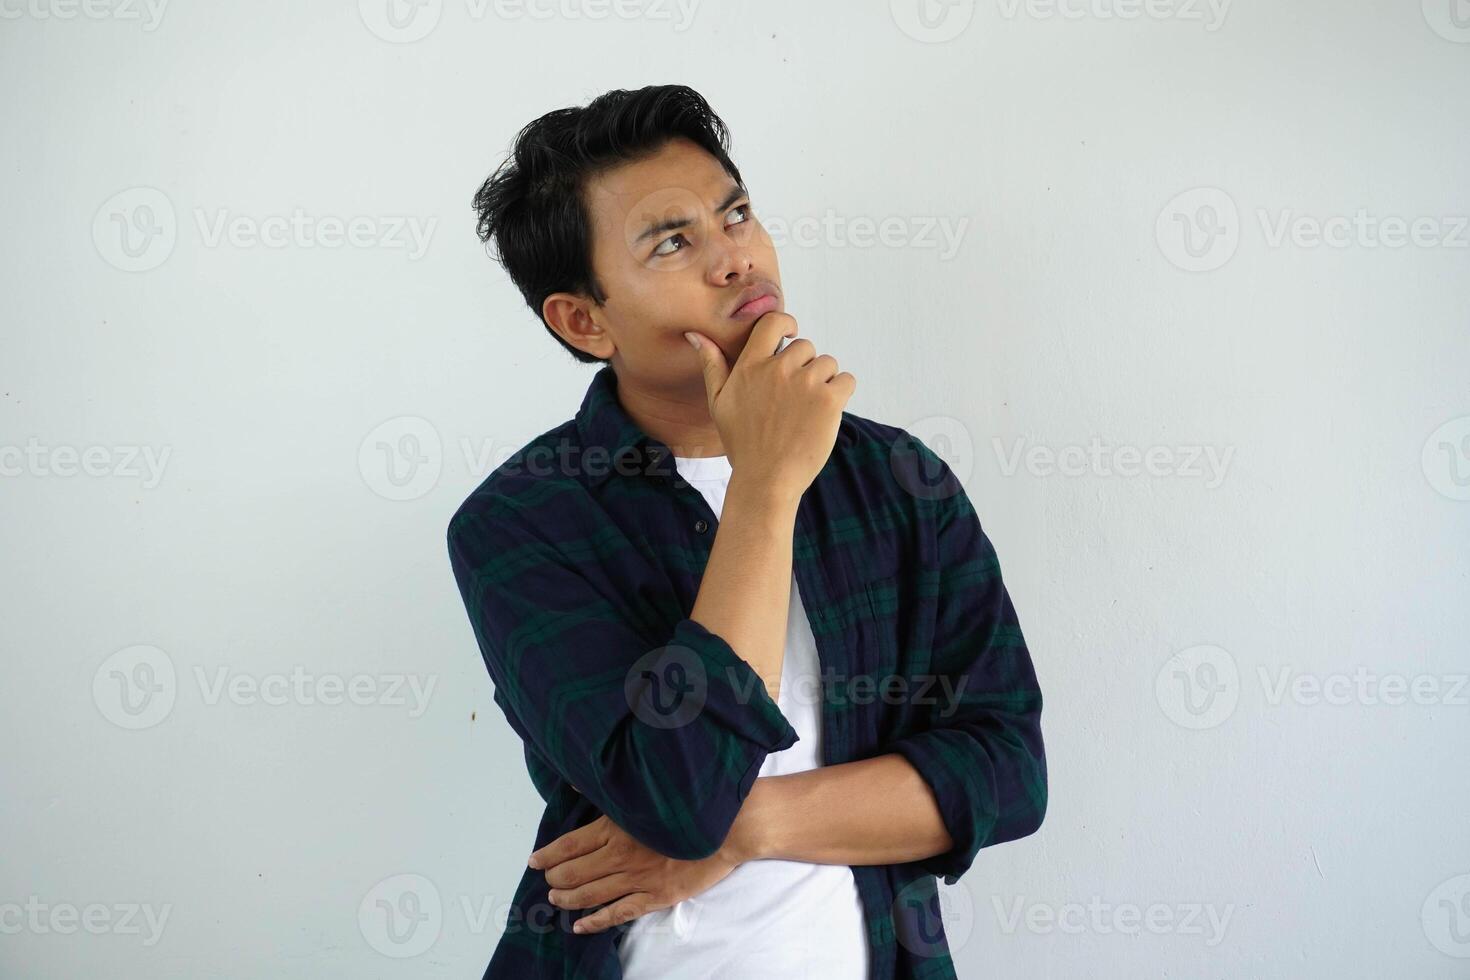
x=712, y=359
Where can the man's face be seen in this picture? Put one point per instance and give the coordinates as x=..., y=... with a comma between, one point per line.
x=675, y=244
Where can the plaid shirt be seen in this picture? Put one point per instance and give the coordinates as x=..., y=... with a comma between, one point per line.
x=579, y=559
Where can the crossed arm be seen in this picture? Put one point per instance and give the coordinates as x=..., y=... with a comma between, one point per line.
x=682, y=806
x=875, y=811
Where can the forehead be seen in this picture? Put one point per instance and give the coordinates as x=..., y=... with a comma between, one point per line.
x=680, y=178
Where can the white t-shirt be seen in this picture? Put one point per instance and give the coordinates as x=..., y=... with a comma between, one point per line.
x=769, y=919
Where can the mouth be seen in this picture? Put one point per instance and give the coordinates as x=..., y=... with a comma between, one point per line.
x=755, y=302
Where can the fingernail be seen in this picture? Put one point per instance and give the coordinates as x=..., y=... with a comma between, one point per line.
x=693, y=340
x=533, y=862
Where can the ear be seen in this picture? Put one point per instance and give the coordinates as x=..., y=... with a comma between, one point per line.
x=571, y=316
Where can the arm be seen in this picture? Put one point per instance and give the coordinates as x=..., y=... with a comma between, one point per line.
x=578, y=679
x=875, y=811
x=745, y=593
x=979, y=750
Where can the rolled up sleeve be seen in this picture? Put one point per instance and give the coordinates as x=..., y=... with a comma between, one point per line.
x=981, y=749
x=664, y=733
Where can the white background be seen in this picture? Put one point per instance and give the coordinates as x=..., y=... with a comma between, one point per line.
x=316, y=411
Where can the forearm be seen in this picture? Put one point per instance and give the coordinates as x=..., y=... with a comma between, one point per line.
x=745, y=594
x=875, y=811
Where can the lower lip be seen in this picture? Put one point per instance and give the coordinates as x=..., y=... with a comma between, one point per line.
x=755, y=308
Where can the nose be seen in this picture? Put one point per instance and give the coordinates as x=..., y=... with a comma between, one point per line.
x=732, y=261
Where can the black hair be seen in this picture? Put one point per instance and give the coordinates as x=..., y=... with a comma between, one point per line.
x=532, y=206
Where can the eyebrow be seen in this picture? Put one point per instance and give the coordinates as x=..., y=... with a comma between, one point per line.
x=735, y=193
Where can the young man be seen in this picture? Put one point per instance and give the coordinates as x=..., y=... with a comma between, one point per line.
x=758, y=648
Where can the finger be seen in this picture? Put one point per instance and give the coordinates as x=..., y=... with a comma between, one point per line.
x=623, y=910
x=583, y=868
x=593, y=893
x=769, y=329
x=712, y=361
x=574, y=843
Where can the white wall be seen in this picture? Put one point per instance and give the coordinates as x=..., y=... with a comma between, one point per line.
x=1329, y=547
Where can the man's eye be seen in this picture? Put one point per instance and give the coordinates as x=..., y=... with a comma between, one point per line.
x=672, y=238
x=746, y=209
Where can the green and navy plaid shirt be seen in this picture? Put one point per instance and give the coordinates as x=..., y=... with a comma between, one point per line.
x=579, y=559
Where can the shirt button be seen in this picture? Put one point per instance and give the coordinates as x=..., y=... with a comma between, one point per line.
x=701, y=525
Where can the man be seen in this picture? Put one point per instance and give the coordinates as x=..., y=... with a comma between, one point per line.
x=758, y=649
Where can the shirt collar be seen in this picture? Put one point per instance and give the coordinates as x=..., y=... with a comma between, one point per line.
x=604, y=425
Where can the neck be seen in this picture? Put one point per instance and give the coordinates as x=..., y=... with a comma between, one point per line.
x=678, y=419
